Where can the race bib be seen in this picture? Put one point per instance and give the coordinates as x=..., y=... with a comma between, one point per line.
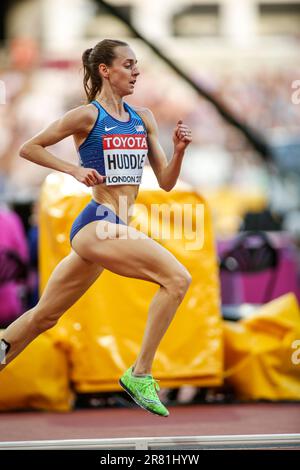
x=124, y=158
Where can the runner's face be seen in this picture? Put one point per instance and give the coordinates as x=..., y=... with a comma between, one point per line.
x=123, y=72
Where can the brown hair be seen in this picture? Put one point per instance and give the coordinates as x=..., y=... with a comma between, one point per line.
x=102, y=53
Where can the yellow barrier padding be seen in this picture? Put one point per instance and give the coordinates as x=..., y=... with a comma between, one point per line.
x=229, y=205
x=37, y=379
x=103, y=331
x=261, y=360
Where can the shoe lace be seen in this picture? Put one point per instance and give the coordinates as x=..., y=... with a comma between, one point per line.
x=151, y=385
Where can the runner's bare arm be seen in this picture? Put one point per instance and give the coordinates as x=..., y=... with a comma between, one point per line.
x=75, y=121
x=166, y=172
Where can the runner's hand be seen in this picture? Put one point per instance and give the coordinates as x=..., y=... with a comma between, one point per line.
x=182, y=136
x=88, y=176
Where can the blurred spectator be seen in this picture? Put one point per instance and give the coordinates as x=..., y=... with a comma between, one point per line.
x=14, y=259
x=32, y=237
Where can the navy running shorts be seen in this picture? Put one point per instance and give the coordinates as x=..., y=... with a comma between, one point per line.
x=93, y=211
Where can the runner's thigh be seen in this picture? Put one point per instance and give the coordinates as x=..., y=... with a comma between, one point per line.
x=127, y=252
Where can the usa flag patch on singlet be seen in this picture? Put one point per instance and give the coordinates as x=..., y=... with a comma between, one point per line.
x=124, y=158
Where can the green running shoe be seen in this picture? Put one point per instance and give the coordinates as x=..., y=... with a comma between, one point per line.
x=143, y=391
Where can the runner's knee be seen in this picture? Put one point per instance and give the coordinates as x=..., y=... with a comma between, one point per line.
x=179, y=283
